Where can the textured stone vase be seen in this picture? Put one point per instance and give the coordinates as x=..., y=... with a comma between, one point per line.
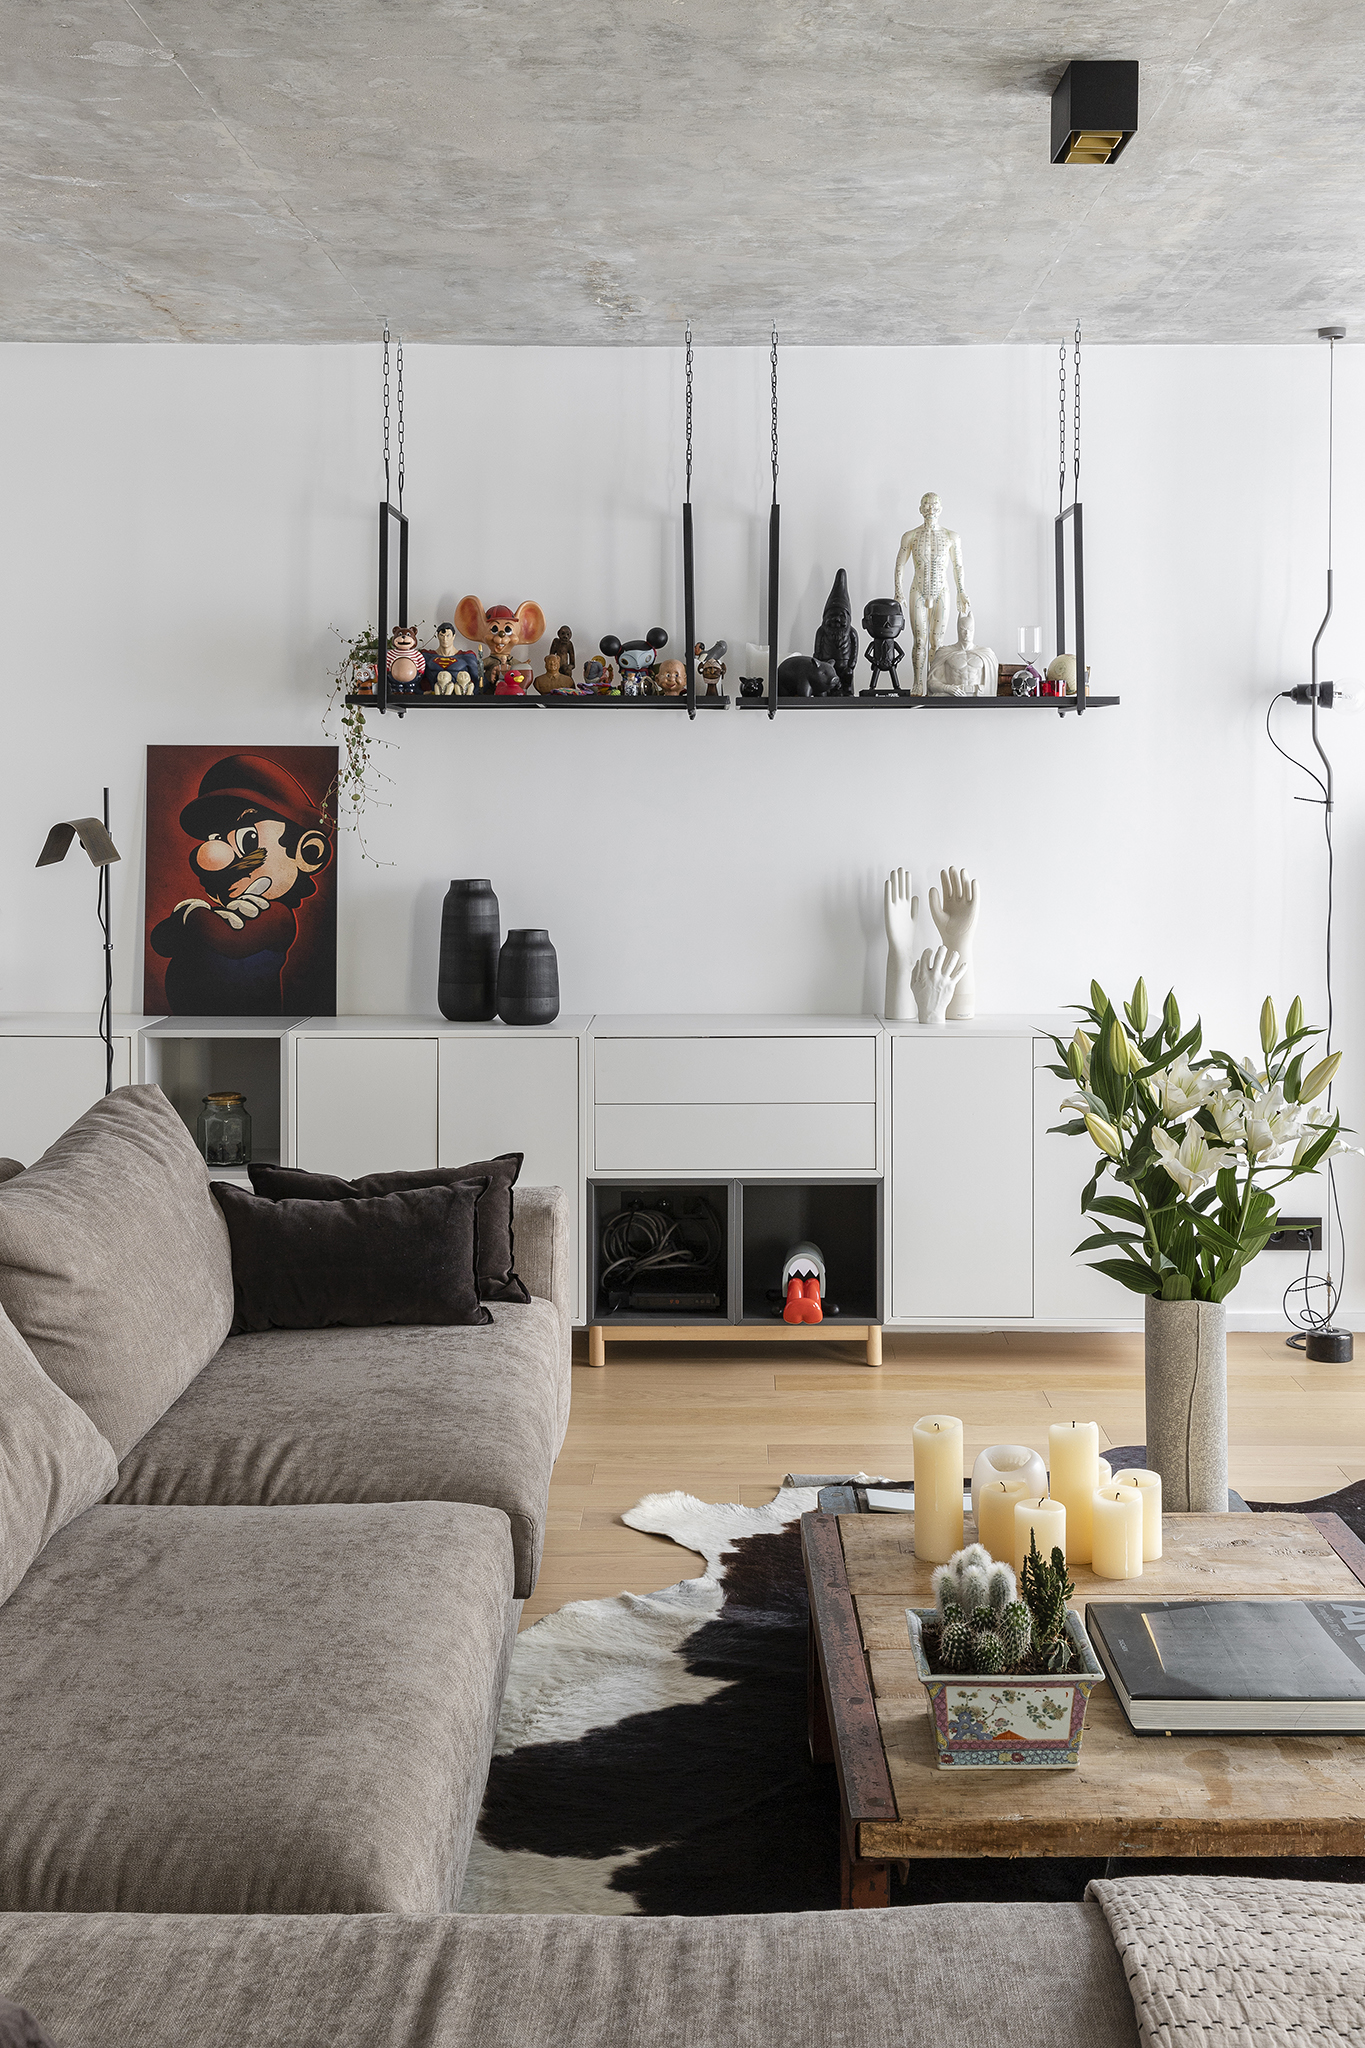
x=1186, y=1356
x=467, y=979
x=528, y=978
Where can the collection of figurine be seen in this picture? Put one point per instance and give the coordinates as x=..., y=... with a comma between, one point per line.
x=930, y=601
x=623, y=668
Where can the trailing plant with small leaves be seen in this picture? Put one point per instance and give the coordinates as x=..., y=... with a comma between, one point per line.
x=1190, y=1140
x=353, y=792
x=1046, y=1590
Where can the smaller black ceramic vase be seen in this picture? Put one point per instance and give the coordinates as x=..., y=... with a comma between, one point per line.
x=467, y=980
x=528, y=979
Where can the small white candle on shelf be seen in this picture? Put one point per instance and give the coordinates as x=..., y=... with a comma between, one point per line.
x=1148, y=1484
x=938, y=1487
x=1073, y=1475
x=1117, y=1533
x=1008, y=1461
x=1044, y=1519
x=995, y=1507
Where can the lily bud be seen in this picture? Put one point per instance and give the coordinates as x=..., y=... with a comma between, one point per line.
x=1137, y=1009
x=1118, y=1048
x=1171, y=1017
x=1105, y=1136
x=1294, y=1021
x=1075, y=1062
x=1270, y=1029
x=1099, y=1001
x=1319, y=1077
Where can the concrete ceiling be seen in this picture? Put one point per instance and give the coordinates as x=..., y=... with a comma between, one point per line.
x=593, y=170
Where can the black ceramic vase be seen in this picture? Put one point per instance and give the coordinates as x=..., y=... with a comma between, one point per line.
x=528, y=979
x=467, y=980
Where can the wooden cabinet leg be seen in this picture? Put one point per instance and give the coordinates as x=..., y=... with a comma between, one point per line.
x=597, y=1344
x=861, y=1884
x=817, y=1712
x=874, y=1344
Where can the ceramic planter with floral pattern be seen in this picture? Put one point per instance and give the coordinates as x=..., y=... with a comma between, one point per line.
x=1015, y=1722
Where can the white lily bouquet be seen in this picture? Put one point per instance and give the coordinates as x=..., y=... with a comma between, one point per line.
x=1200, y=1146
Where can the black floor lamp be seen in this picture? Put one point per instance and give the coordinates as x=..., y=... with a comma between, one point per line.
x=94, y=837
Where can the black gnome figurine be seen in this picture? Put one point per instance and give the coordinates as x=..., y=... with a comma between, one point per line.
x=882, y=620
x=835, y=639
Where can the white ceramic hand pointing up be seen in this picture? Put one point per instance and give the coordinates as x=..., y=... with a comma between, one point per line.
x=955, y=915
x=901, y=910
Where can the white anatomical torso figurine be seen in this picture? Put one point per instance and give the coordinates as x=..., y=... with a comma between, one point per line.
x=931, y=553
x=900, y=909
x=955, y=912
x=962, y=669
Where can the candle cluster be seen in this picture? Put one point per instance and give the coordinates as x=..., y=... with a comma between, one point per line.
x=1075, y=1503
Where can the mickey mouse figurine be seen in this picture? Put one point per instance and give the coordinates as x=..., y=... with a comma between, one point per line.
x=634, y=658
x=883, y=618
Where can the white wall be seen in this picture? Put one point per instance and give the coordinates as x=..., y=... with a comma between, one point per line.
x=184, y=524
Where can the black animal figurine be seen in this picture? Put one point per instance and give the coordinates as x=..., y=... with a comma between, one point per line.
x=835, y=639
x=634, y=658
x=800, y=675
x=883, y=618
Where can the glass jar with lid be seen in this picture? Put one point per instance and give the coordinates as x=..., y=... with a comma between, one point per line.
x=223, y=1130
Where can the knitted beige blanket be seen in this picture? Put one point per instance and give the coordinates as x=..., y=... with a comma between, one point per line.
x=1240, y=1962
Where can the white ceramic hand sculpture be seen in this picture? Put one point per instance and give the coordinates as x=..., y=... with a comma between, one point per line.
x=933, y=977
x=900, y=909
x=955, y=915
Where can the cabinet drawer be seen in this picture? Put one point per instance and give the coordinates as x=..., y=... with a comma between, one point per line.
x=720, y=1138
x=750, y=1070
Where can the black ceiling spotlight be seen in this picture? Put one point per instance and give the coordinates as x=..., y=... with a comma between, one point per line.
x=1094, y=111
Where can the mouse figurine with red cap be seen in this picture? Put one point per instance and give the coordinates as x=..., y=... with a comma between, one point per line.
x=500, y=631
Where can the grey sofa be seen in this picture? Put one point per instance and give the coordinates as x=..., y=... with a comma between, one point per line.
x=261, y=1673
x=1017, y=1976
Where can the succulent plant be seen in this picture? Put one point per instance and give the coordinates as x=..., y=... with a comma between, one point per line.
x=955, y=1647
x=1046, y=1590
x=988, y=1652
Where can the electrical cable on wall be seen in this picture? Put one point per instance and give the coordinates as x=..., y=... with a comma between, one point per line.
x=1316, y=1333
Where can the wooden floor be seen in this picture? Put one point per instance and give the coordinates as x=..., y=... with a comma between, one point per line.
x=726, y=1425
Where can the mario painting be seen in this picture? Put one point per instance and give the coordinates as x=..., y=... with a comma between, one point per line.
x=254, y=933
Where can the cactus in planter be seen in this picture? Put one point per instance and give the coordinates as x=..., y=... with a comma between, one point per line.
x=1046, y=1590
x=973, y=1580
x=1016, y=1633
x=955, y=1644
x=988, y=1652
x=981, y=1625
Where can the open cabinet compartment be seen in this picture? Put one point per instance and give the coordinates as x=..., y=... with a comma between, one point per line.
x=842, y=1217
x=191, y=1062
x=682, y=1294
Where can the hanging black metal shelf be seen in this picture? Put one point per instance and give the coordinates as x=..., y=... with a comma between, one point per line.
x=890, y=702
x=559, y=701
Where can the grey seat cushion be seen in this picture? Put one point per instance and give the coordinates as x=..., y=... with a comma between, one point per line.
x=53, y=1461
x=114, y=1262
x=252, y=1710
x=1027, y=1976
x=288, y=1416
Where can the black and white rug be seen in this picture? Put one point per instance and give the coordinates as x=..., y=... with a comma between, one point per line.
x=651, y=1755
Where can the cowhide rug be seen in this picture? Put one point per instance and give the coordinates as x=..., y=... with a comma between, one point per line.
x=651, y=1755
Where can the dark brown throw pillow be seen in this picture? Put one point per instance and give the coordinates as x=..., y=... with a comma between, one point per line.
x=400, y=1258
x=497, y=1270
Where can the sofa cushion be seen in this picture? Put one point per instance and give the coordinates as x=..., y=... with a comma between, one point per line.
x=1031, y=1976
x=9, y=1168
x=114, y=1263
x=497, y=1270
x=287, y=1417
x=53, y=1461
x=400, y=1258
x=252, y=1710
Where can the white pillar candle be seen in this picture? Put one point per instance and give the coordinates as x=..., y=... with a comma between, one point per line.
x=1045, y=1519
x=995, y=1514
x=1117, y=1533
x=1148, y=1485
x=1106, y=1472
x=938, y=1487
x=1008, y=1461
x=1073, y=1475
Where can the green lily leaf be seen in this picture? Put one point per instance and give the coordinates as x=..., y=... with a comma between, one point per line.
x=1115, y=1205
x=1074, y=1129
x=1139, y=1278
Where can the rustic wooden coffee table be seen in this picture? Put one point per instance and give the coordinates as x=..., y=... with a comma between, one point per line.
x=1131, y=1796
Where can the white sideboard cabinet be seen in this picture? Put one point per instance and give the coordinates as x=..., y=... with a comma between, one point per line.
x=52, y=1067
x=961, y=1174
